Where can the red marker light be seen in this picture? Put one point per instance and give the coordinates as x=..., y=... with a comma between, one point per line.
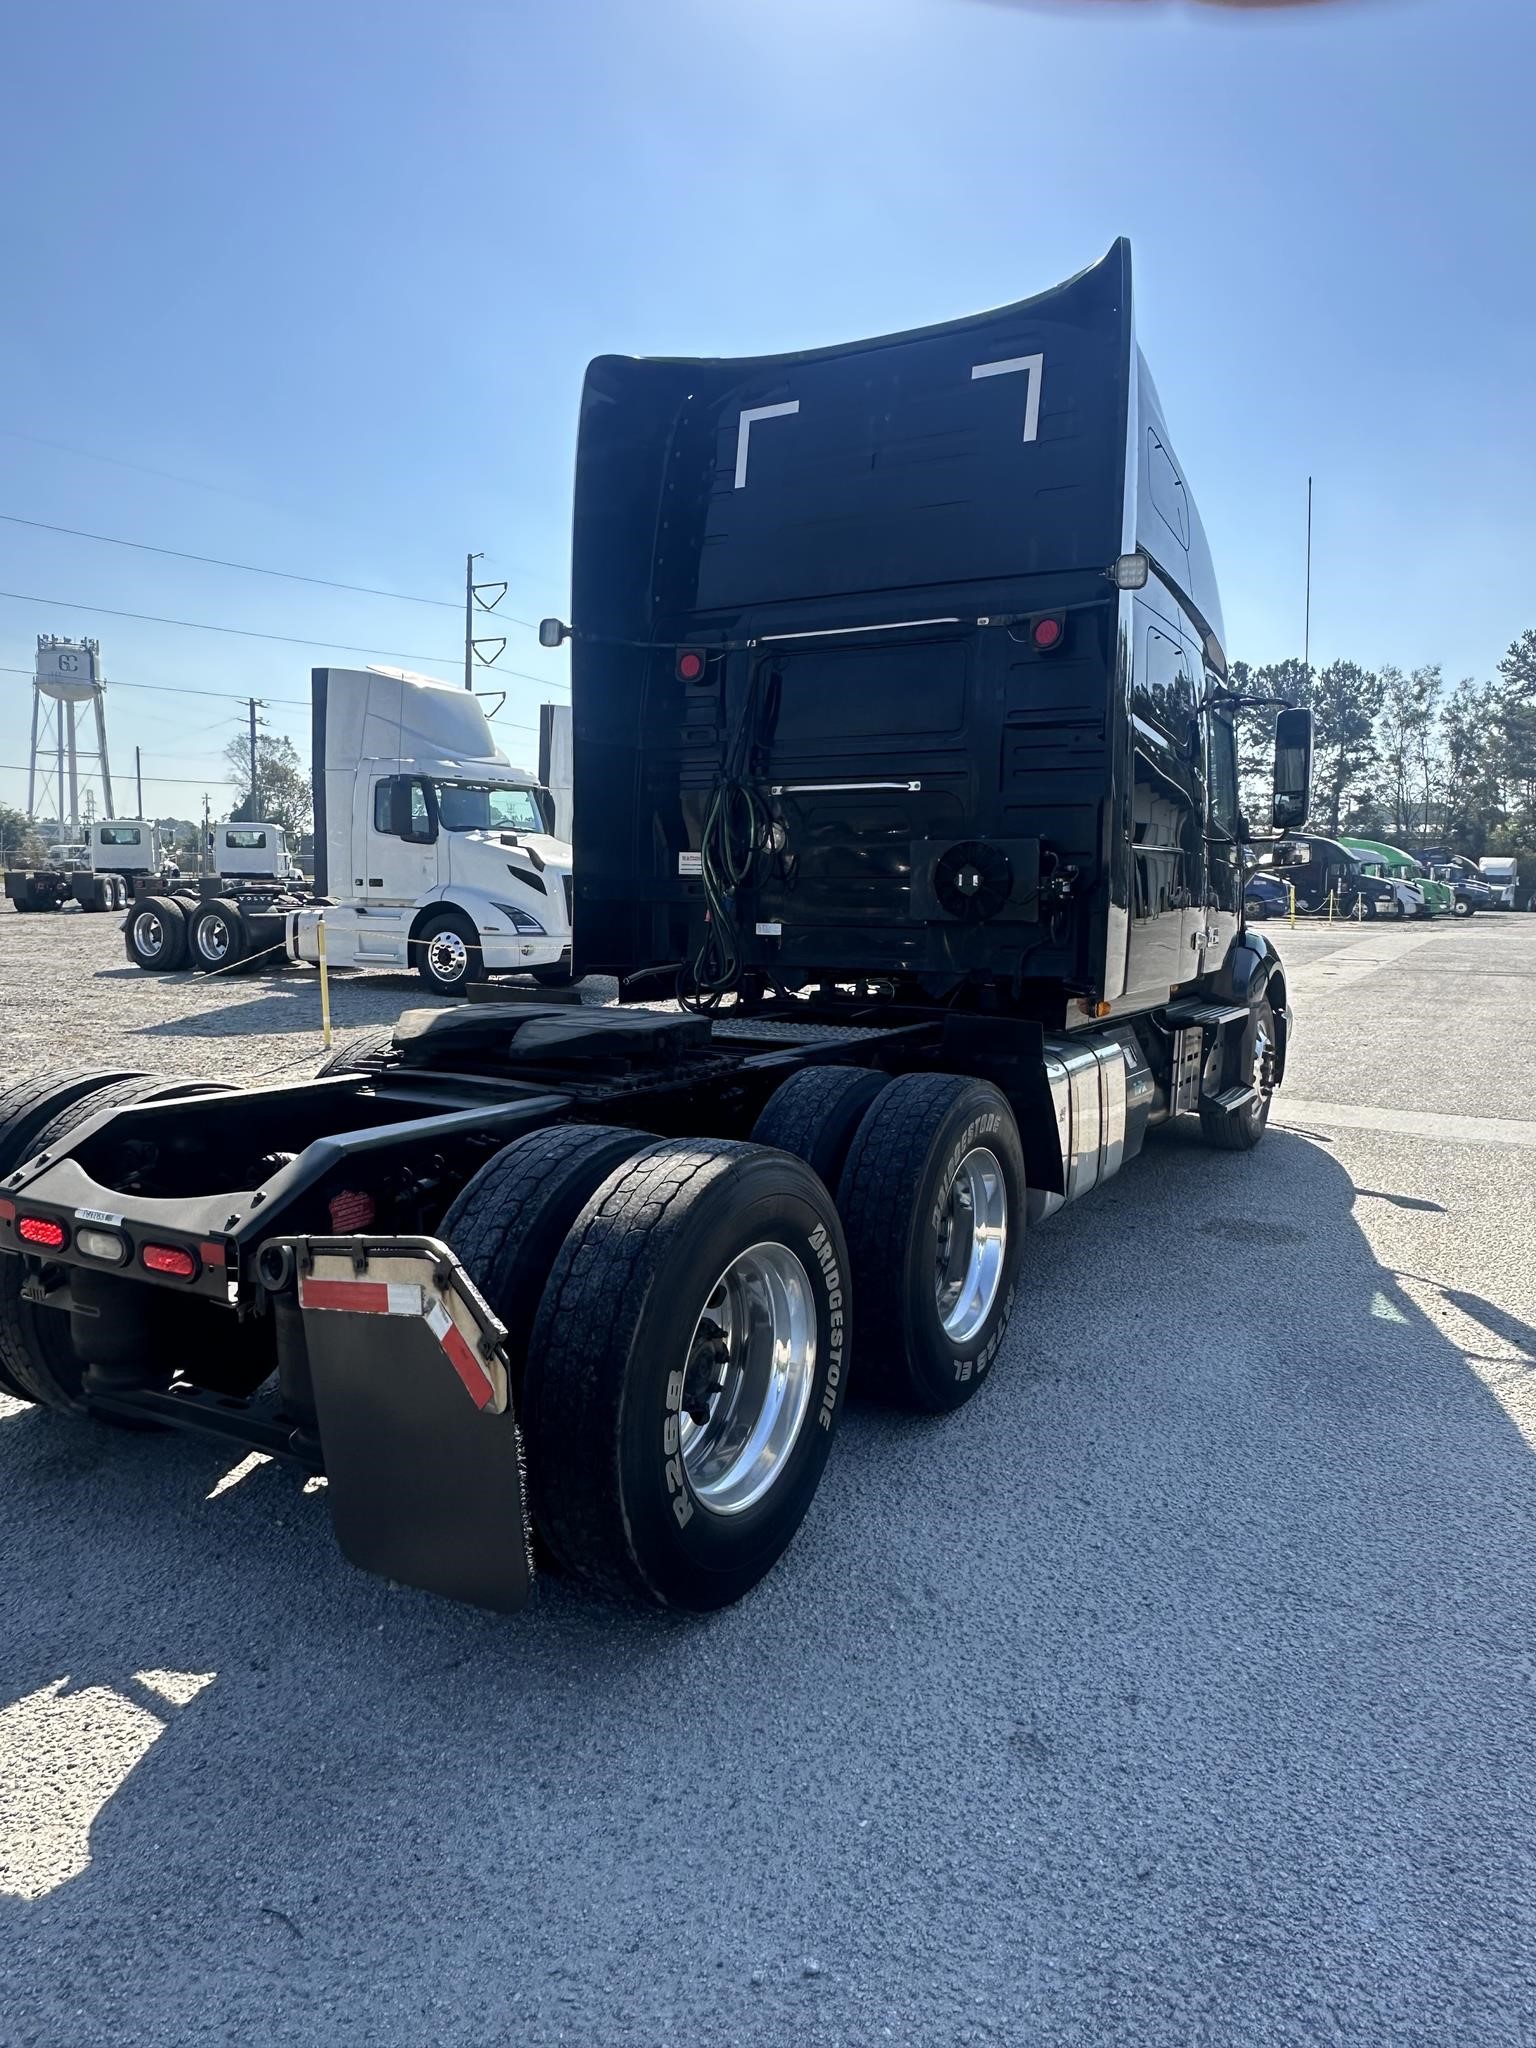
x=44, y=1231
x=1046, y=633
x=171, y=1259
x=690, y=664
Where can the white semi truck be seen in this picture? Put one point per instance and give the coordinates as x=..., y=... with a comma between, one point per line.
x=1502, y=874
x=432, y=851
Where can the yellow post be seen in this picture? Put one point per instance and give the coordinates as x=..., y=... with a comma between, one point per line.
x=1359, y=910
x=325, y=986
x=1330, y=906
x=1291, y=886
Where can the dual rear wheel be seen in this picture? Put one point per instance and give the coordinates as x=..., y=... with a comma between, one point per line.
x=678, y=1313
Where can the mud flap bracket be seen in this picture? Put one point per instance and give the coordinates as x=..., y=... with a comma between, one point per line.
x=419, y=1440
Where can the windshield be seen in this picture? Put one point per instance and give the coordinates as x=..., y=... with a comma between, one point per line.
x=482, y=807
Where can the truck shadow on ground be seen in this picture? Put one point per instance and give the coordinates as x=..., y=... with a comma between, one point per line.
x=291, y=1003
x=1196, y=1626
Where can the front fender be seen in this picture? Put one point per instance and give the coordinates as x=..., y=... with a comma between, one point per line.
x=1253, y=969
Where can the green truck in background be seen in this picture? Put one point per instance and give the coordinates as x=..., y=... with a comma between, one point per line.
x=1439, y=897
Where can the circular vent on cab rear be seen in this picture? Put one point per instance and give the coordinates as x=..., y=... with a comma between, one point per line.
x=973, y=881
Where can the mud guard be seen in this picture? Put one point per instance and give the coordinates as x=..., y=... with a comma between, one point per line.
x=420, y=1443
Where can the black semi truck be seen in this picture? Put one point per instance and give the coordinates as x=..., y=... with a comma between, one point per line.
x=906, y=797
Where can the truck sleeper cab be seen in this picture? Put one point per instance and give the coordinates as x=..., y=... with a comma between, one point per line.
x=1330, y=876
x=607, y=1272
x=1437, y=898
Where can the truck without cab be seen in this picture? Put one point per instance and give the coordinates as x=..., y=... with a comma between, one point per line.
x=903, y=756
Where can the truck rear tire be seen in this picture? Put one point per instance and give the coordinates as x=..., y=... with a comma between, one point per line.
x=155, y=936
x=26, y=1107
x=37, y=1360
x=685, y=1373
x=1239, y=1130
x=932, y=1198
x=217, y=939
x=815, y=1113
x=448, y=956
x=368, y=1053
x=510, y=1220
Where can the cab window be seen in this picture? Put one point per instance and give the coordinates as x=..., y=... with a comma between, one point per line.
x=1223, y=773
x=401, y=808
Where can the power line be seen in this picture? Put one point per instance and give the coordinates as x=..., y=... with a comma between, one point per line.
x=175, y=690
x=143, y=468
x=190, y=780
x=250, y=633
x=226, y=697
x=250, y=568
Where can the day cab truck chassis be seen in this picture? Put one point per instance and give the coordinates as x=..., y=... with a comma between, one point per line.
x=918, y=792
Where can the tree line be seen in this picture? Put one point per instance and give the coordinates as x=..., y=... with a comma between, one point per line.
x=1403, y=756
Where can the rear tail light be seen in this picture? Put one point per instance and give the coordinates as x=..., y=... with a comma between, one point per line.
x=1048, y=631
x=101, y=1244
x=690, y=664
x=42, y=1230
x=174, y=1260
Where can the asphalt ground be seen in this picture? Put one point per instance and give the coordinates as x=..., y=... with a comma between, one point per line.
x=1181, y=1689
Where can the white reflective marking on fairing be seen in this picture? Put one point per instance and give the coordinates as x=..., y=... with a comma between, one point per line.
x=1035, y=367
x=439, y=1322
x=404, y=1300
x=744, y=431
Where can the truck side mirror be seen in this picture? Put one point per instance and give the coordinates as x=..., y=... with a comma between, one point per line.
x=1293, y=769
x=410, y=813
x=400, y=807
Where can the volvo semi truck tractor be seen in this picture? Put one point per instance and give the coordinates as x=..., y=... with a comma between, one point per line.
x=906, y=814
x=431, y=852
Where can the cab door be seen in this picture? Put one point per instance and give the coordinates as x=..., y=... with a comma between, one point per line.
x=402, y=848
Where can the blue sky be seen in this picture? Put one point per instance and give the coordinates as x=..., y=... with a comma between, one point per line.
x=335, y=270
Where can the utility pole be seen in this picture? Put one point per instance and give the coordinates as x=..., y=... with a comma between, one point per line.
x=1306, y=639
x=138, y=776
x=255, y=807
x=473, y=595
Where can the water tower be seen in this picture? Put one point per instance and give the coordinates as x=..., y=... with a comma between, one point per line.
x=68, y=674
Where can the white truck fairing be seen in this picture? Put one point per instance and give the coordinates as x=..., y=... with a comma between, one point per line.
x=418, y=810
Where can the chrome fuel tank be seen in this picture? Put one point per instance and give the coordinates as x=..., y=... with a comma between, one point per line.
x=1102, y=1092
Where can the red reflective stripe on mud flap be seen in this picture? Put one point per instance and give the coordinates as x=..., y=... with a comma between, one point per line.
x=477, y=1381
x=380, y=1298
x=362, y=1297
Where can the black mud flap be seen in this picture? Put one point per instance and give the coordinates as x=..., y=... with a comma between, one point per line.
x=421, y=1448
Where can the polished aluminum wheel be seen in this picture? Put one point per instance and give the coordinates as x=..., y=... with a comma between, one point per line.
x=447, y=956
x=214, y=939
x=747, y=1382
x=148, y=935
x=1263, y=1056
x=973, y=1245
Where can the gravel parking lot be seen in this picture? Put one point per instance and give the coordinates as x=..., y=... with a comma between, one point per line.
x=1180, y=1689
